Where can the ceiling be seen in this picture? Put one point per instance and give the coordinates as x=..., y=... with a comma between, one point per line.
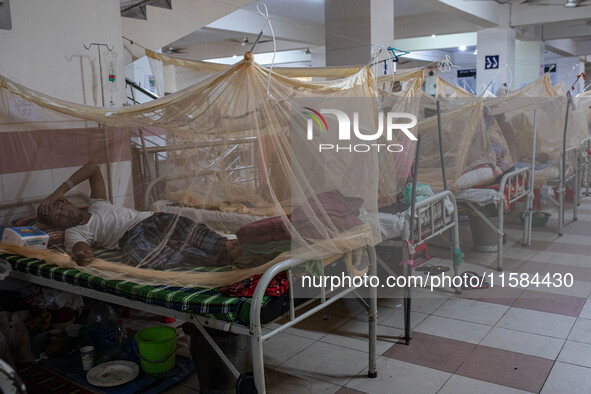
x=303, y=10
x=313, y=10
x=300, y=24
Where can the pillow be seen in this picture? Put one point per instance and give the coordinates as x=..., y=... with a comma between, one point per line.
x=56, y=236
x=476, y=177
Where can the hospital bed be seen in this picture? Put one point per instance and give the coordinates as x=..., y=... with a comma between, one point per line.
x=568, y=174
x=208, y=307
x=513, y=186
x=434, y=216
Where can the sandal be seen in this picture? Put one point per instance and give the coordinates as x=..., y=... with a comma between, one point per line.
x=469, y=283
x=430, y=269
x=424, y=267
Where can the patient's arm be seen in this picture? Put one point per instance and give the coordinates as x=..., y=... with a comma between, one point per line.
x=82, y=253
x=90, y=171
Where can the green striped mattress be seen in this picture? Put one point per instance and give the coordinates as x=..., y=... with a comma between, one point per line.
x=206, y=302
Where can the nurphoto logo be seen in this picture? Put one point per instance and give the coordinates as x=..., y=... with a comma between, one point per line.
x=392, y=122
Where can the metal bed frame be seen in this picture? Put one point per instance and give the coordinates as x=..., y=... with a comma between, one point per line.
x=585, y=164
x=255, y=328
x=570, y=155
x=149, y=160
x=449, y=222
x=151, y=192
x=409, y=242
x=515, y=192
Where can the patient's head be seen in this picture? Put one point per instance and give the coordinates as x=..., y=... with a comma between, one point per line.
x=542, y=158
x=62, y=214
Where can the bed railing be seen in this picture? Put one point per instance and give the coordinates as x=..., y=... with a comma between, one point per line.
x=585, y=164
x=429, y=205
x=257, y=336
x=150, y=195
x=572, y=156
x=517, y=183
x=221, y=155
x=568, y=172
x=434, y=228
x=449, y=222
x=514, y=185
x=518, y=186
x=254, y=329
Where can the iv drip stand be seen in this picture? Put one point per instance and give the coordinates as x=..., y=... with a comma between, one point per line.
x=106, y=133
x=98, y=47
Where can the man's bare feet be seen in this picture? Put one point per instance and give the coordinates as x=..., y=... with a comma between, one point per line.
x=234, y=248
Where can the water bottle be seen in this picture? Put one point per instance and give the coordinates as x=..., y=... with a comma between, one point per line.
x=102, y=326
x=123, y=341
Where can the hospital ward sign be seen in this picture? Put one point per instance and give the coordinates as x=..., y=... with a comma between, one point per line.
x=491, y=62
x=388, y=124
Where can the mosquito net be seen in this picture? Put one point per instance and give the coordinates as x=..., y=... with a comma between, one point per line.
x=243, y=150
x=484, y=137
x=584, y=101
x=395, y=92
x=541, y=87
x=465, y=140
x=446, y=89
x=515, y=116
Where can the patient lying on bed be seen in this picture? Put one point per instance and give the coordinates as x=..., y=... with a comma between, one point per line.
x=180, y=242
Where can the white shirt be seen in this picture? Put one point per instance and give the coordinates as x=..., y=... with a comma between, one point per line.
x=107, y=224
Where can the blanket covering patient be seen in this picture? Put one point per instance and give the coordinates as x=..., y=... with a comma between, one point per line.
x=149, y=239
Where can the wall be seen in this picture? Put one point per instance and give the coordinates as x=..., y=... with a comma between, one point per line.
x=34, y=163
x=45, y=48
x=528, y=62
x=45, y=51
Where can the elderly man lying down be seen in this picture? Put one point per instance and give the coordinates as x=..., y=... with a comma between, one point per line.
x=150, y=239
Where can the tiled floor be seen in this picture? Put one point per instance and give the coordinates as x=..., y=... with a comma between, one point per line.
x=511, y=340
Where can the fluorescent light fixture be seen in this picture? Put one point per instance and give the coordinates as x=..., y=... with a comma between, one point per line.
x=462, y=47
x=571, y=4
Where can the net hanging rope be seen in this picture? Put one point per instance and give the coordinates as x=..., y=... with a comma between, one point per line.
x=264, y=12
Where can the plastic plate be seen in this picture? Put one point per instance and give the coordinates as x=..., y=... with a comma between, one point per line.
x=113, y=373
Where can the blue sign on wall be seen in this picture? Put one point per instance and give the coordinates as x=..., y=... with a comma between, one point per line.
x=491, y=62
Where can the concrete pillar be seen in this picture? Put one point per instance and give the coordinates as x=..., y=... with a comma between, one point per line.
x=529, y=62
x=169, y=80
x=353, y=27
x=495, y=62
x=318, y=57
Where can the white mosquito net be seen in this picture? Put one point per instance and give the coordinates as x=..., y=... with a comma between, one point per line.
x=231, y=147
x=483, y=138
